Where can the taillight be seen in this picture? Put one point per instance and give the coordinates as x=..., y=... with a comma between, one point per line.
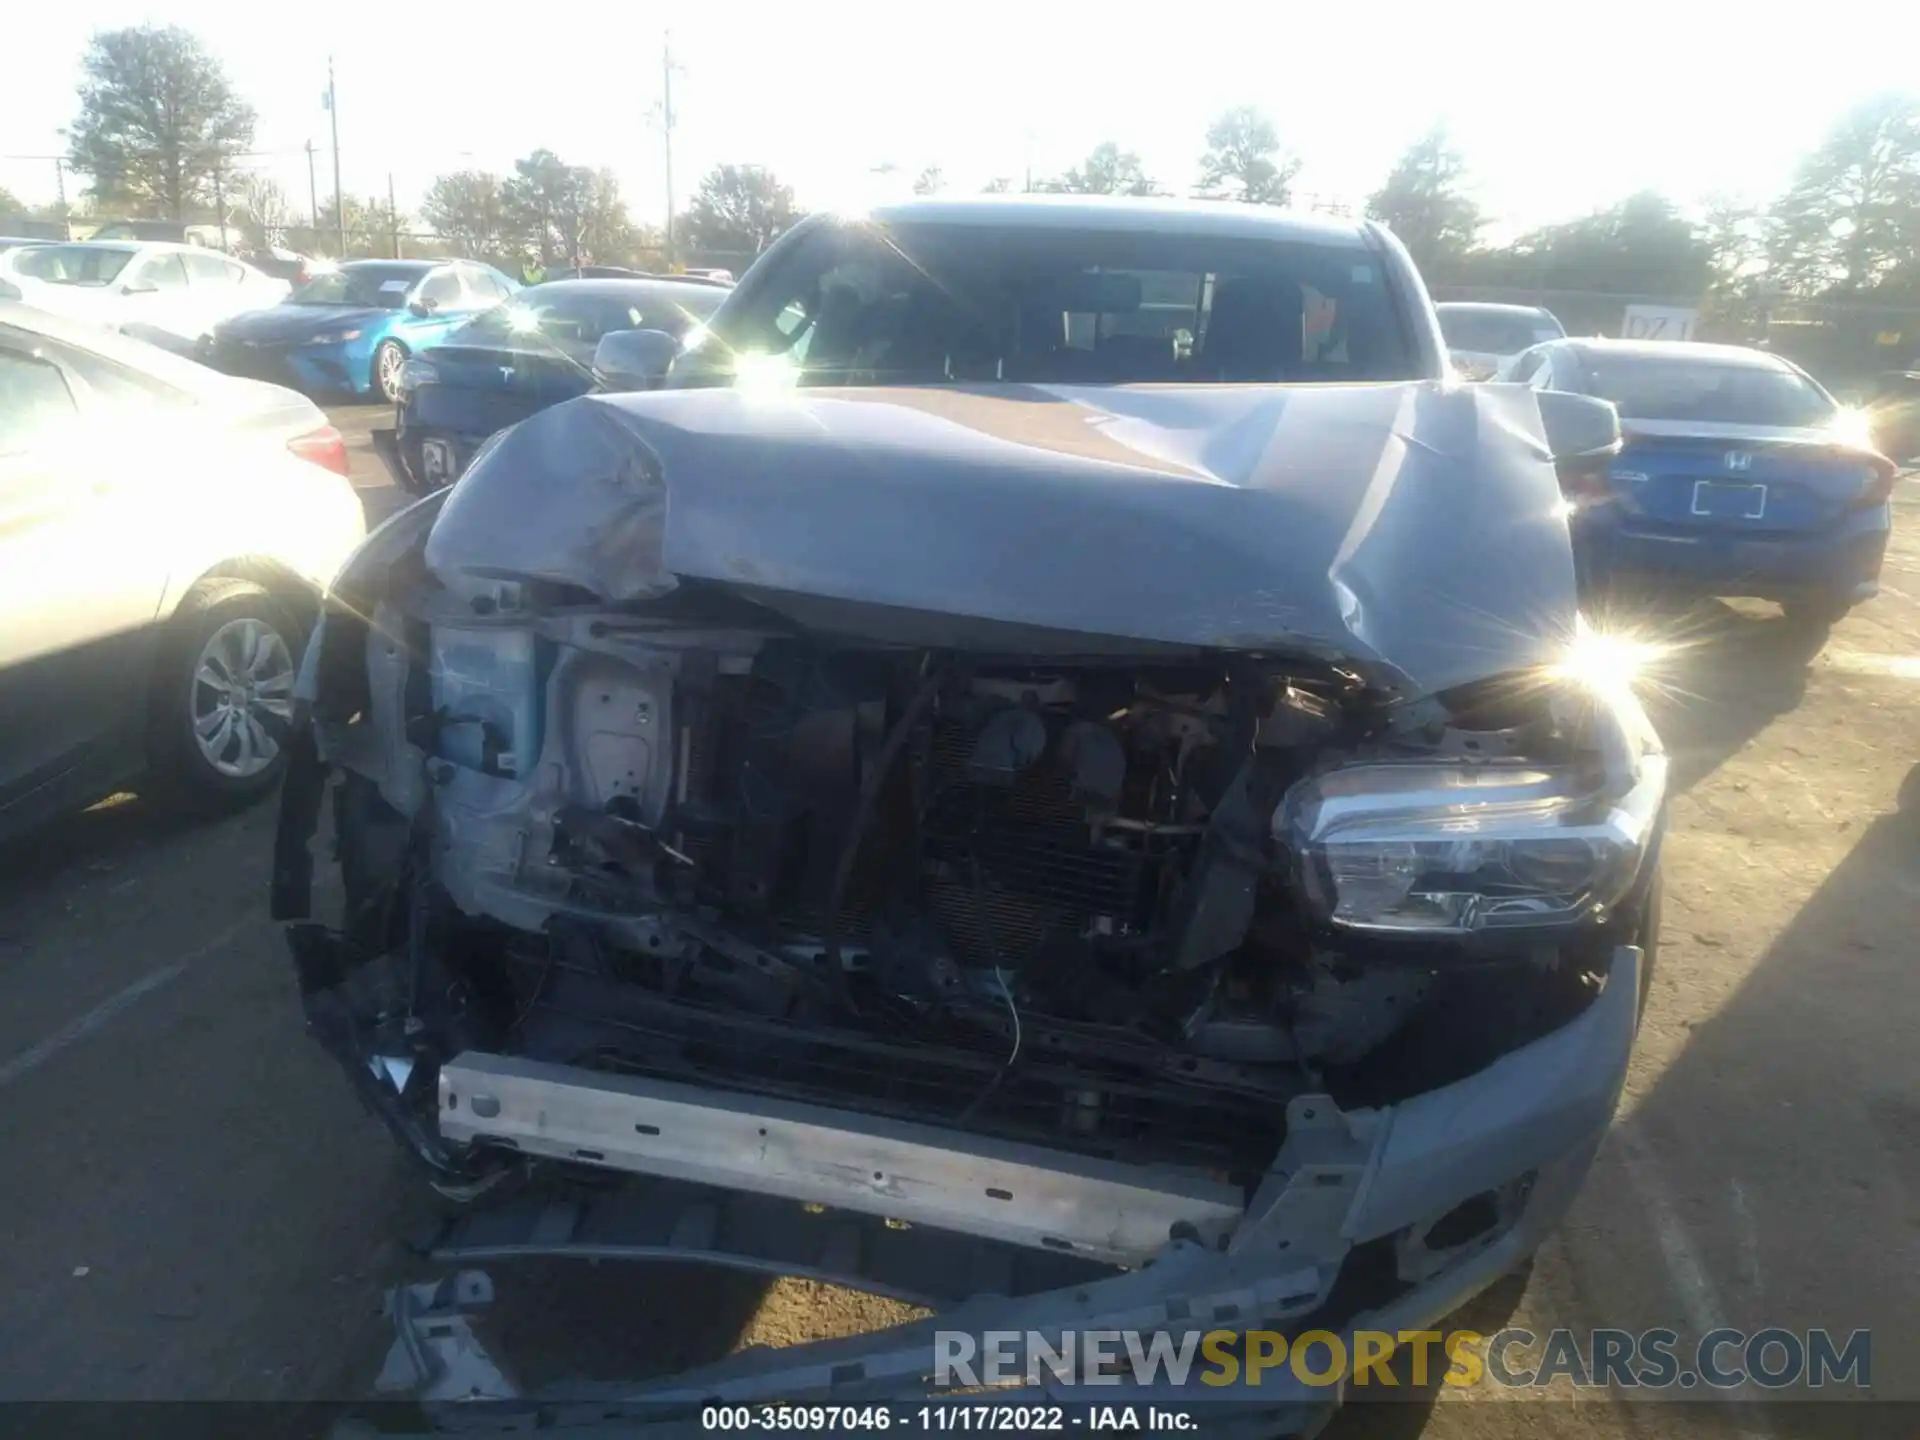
x=325, y=447
x=1877, y=488
x=1583, y=478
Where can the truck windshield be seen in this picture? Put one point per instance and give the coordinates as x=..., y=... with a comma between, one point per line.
x=856, y=304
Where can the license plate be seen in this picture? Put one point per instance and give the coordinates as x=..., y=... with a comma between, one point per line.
x=436, y=462
x=1717, y=500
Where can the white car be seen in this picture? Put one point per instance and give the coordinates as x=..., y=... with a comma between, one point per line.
x=1484, y=340
x=165, y=534
x=12, y=247
x=152, y=289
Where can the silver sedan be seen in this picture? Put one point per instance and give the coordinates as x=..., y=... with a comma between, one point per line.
x=165, y=533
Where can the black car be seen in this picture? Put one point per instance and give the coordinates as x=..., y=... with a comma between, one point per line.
x=520, y=358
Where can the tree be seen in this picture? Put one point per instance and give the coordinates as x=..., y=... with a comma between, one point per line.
x=1642, y=246
x=547, y=208
x=607, y=232
x=467, y=209
x=157, y=121
x=11, y=204
x=738, y=210
x=999, y=185
x=930, y=181
x=1243, y=160
x=1734, y=233
x=371, y=228
x=1424, y=202
x=542, y=204
x=1853, y=211
x=1108, y=170
x=265, y=211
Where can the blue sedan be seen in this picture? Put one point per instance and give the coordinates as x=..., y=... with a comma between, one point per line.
x=350, y=330
x=1740, y=476
x=503, y=366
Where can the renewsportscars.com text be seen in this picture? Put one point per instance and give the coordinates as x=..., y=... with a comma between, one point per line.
x=1657, y=1359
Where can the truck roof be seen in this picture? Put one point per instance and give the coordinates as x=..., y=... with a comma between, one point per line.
x=1223, y=218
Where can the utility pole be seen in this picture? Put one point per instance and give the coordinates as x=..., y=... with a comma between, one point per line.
x=393, y=216
x=339, y=200
x=666, y=128
x=60, y=187
x=313, y=200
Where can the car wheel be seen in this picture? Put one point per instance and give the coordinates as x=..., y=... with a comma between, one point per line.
x=1817, y=610
x=389, y=358
x=1812, y=620
x=406, y=471
x=222, y=696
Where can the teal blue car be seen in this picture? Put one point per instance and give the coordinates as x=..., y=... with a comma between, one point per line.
x=351, y=329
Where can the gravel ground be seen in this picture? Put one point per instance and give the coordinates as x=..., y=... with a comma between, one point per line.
x=195, y=1208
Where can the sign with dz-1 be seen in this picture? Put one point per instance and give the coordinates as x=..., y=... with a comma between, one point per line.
x=1658, y=322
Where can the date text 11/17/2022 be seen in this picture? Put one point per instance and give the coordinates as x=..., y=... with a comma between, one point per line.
x=838, y=1419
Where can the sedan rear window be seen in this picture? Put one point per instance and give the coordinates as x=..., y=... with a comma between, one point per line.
x=578, y=318
x=1682, y=389
x=856, y=304
x=34, y=401
x=74, y=264
x=1484, y=333
x=361, y=286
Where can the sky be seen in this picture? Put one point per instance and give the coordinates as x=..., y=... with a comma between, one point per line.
x=1558, y=109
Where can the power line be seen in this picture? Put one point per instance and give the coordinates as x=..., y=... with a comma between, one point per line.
x=664, y=115
x=339, y=200
x=230, y=154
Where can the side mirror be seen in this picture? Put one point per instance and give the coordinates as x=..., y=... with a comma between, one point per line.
x=422, y=308
x=139, y=287
x=634, y=359
x=1584, y=435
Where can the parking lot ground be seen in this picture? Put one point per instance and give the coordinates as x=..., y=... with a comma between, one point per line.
x=193, y=1206
x=367, y=470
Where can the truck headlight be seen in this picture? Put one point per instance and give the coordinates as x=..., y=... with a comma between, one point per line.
x=1455, y=848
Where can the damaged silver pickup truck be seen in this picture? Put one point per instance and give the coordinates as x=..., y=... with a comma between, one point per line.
x=1049, y=768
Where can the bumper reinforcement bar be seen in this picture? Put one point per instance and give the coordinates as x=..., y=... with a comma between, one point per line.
x=920, y=1174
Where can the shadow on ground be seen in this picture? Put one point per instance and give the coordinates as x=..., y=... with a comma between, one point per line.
x=1770, y=1175
x=115, y=830
x=1732, y=672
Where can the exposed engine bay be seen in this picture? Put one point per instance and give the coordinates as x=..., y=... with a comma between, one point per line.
x=1067, y=903
x=686, y=761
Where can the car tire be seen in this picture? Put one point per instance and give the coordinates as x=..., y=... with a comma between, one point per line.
x=1811, y=620
x=222, y=696
x=408, y=478
x=1821, y=610
x=388, y=357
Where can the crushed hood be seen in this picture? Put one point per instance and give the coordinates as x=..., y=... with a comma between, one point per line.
x=1413, y=530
